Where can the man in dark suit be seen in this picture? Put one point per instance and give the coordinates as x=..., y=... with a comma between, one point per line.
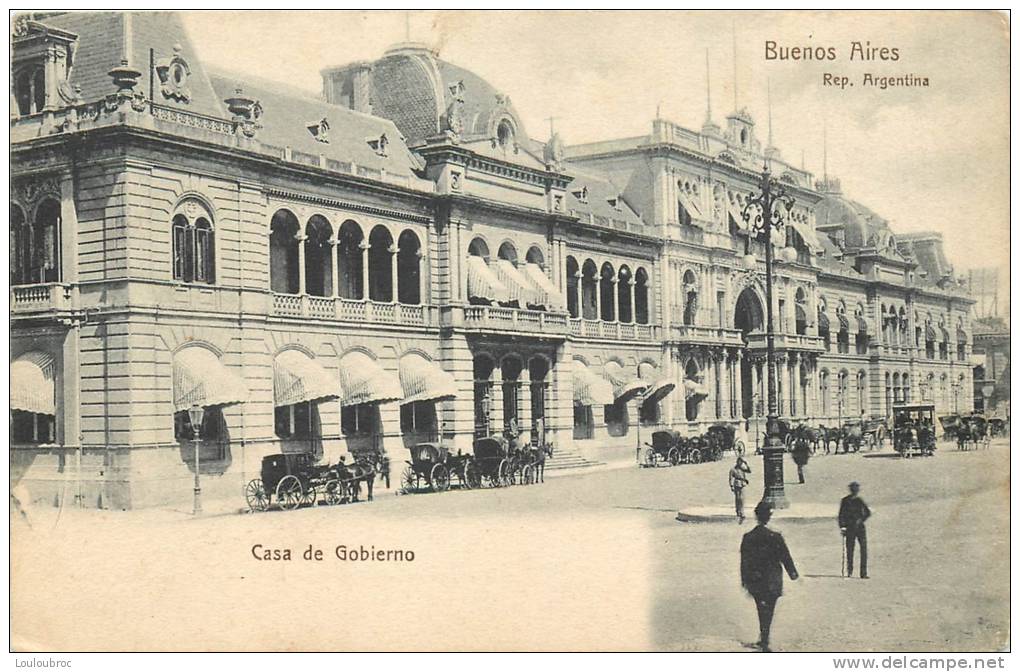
x=763, y=555
x=852, y=514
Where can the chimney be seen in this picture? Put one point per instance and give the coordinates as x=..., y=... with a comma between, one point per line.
x=349, y=86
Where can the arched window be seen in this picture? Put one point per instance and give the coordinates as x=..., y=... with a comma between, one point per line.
x=283, y=253
x=589, y=290
x=350, y=260
x=823, y=386
x=508, y=252
x=897, y=387
x=409, y=268
x=380, y=264
x=906, y=388
x=21, y=247
x=573, y=280
x=483, y=367
x=511, y=375
x=45, y=261
x=318, y=257
x=607, y=289
x=748, y=315
x=624, y=287
x=641, y=296
x=862, y=392
x=800, y=312
x=538, y=374
x=505, y=134
x=693, y=400
x=30, y=91
x=690, y=295
x=888, y=393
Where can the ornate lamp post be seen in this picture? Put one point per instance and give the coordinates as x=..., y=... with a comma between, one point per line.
x=763, y=213
x=196, y=414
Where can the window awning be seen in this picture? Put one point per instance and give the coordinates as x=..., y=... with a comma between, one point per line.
x=518, y=286
x=552, y=297
x=690, y=205
x=482, y=283
x=625, y=387
x=33, y=386
x=737, y=216
x=823, y=320
x=589, y=388
x=422, y=380
x=961, y=336
x=693, y=388
x=201, y=378
x=657, y=390
x=844, y=323
x=800, y=313
x=363, y=381
x=862, y=325
x=807, y=234
x=929, y=333
x=945, y=334
x=298, y=378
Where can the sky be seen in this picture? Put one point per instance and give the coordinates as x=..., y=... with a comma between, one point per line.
x=934, y=158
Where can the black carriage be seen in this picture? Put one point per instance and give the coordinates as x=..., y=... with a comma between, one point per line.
x=914, y=429
x=722, y=437
x=433, y=465
x=293, y=480
x=491, y=463
x=874, y=432
x=973, y=432
x=997, y=427
x=665, y=448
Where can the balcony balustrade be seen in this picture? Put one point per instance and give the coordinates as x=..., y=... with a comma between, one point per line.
x=40, y=298
x=788, y=342
x=351, y=310
x=689, y=333
x=625, y=331
x=498, y=318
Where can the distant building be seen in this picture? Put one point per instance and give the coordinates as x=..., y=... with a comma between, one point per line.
x=401, y=261
x=991, y=367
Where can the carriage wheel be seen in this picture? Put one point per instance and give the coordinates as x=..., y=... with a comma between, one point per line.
x=439, y=478
x=502, y=476
x=527, y=475
x=739, y=447
x=311, y=497
x=695, y=456
x=649, y=457
x=788, y=441
x=472, y=476
x=408, y=480
x=334, y=492
x=256, y=496
x=289, y=493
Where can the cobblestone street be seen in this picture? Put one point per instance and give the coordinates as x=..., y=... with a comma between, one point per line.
x=591, y=560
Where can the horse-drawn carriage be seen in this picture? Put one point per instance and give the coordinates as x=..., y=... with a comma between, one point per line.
x=722, y=437
x=293, y=479
x=432, y=464
x=998, y=427
x=968, y=431
x=670, y=447
x=914, y=429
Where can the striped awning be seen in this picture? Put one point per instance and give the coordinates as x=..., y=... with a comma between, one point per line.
x=807, y=234
x=736, y=214
x=800, y=313
x=690, y=205
x=945, y=334
x=929, y=333
x=518, y=286
x=298, y=378
x=657, y=390
x=552, y=297
x=201, y=378
x=862, y=325
x=823, y=320
x=844, y=323
x=693, y=388
x=363, y=381
x=423, y=380
x=32, y=383
x=589, y=388
x=625, y=387
x=482, y=283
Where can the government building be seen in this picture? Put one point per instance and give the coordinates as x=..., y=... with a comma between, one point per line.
x=398, y=260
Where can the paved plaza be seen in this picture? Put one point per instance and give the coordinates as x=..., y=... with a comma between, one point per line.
x=592, y=560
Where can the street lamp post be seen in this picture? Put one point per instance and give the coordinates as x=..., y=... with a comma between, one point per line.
x=762, y=213
x=196, y=414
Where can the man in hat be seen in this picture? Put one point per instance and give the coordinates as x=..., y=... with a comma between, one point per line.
x=852, y=514
x=763, y=555
x=738, y=481
x=801, y=453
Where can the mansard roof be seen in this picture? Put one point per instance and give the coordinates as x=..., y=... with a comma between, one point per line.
x=597, y=194
x=292, y=118
x=107, y=38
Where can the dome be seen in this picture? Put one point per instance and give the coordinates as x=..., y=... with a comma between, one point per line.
x=860, y=227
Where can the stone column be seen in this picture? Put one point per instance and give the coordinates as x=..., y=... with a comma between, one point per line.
x=364, y=246
x=616, y=298
x=393, y=250
x=578, y=291
x=496, y=411
x=334, y=264
x=796, y=394
x=424, y=273
x=524, y=418
x=598, y=298
x=300, y=238
x=738, y=387
x=630, y=289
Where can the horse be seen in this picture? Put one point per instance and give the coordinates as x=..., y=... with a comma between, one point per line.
x=538, y=455
x=813, y=436
x=830, y=434
x=363, y=470
x=852, y=434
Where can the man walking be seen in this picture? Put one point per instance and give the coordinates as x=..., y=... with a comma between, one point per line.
x=853, y=512
x=738, y=481
x=801, y=453
x=763, y=555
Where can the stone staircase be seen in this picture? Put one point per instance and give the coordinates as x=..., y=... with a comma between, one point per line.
x=569, y=458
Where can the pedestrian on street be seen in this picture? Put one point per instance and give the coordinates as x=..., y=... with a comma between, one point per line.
x=801, y=454
x=738, y=481
x=763, y=555
x=853, y=512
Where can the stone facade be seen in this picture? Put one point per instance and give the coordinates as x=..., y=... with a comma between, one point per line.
x=370, y=234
